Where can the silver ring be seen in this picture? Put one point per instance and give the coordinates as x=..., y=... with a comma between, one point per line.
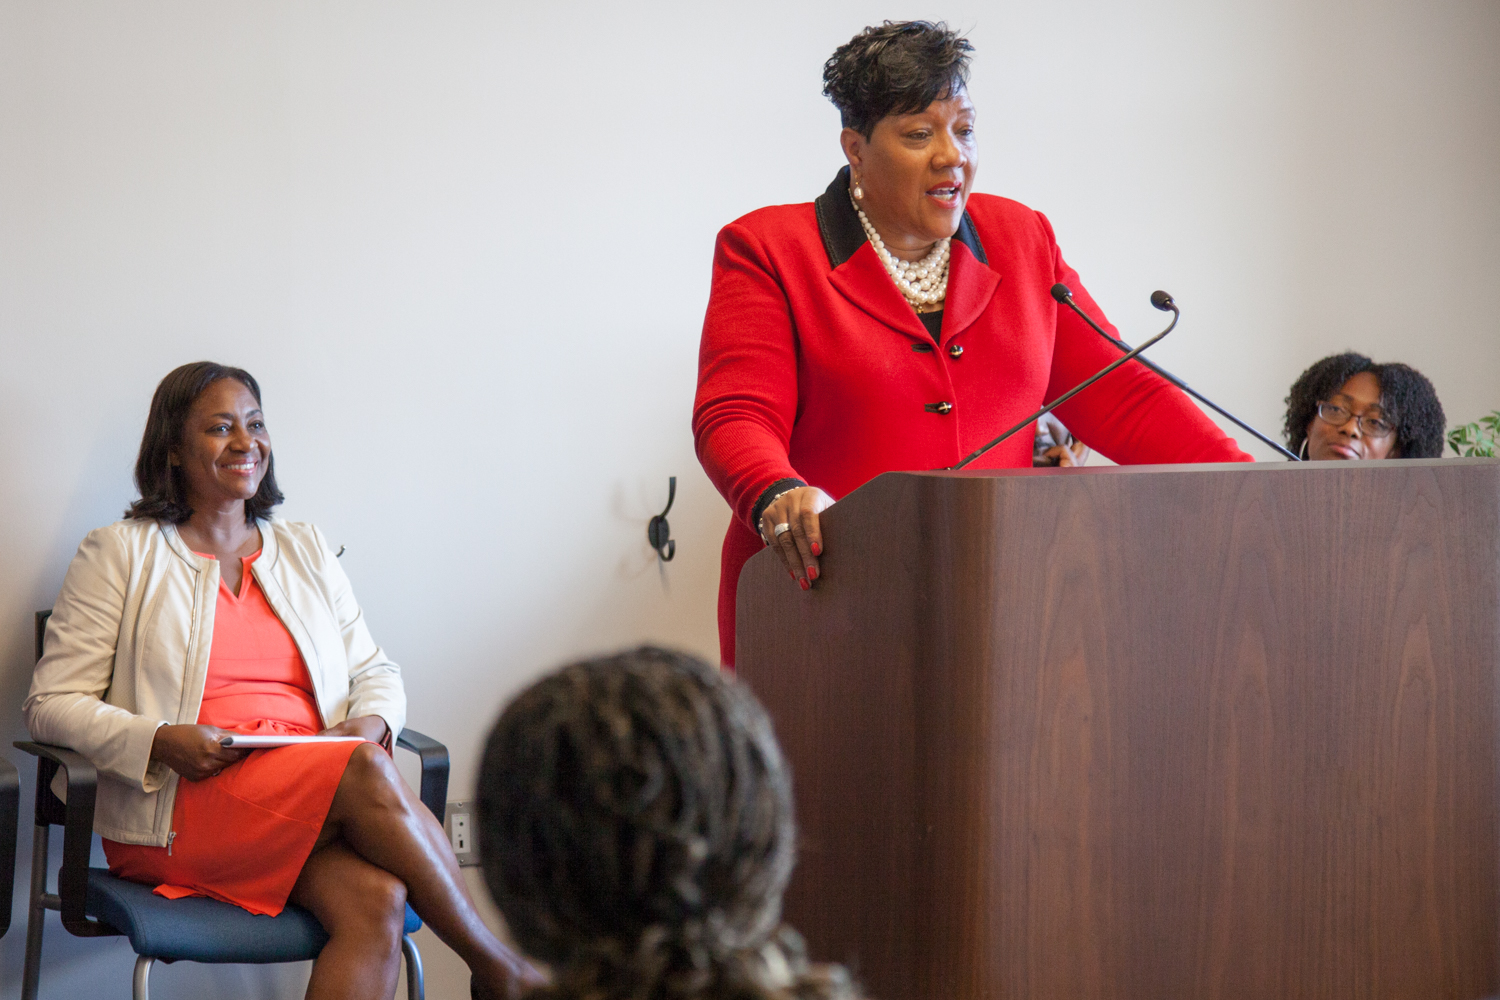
x=782, y=528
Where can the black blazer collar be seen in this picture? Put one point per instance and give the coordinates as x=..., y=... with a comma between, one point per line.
x=842, y=234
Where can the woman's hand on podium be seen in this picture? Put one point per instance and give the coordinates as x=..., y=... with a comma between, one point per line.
x=194, y=751
x=800, y=543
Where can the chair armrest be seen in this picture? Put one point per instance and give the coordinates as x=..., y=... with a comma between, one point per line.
x=10, y=817
x=434, y=757
x=78, y=829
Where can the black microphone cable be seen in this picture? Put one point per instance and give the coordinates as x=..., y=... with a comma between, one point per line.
x=1161, y=300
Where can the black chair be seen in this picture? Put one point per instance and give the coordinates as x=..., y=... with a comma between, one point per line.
x=94, y=903
x=10, y=809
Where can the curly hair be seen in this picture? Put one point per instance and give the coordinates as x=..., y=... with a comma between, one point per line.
x=635, y=821
x=1406, y=395
x=896, y=69
x=163, y=495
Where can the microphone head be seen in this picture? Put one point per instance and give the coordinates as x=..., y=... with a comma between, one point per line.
x=1161, y=300
x=1061, y=292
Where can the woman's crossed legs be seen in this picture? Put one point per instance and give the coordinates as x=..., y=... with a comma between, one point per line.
x=379, y=848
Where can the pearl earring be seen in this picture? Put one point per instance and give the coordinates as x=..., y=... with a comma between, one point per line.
x=858, y=192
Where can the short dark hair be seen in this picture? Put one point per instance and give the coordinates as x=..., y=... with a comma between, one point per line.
x=163, y=495
x=1408, y=398
x=635, y=825
x=897, y=68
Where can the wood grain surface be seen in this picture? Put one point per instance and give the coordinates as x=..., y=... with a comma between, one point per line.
x=1207, y=732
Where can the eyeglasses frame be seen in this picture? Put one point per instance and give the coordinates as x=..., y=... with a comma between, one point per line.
x=1359, y=419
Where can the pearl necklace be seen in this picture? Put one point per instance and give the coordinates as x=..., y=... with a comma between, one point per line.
x=924, y=283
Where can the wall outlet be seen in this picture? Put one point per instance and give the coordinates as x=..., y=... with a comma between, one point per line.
x=459, y=821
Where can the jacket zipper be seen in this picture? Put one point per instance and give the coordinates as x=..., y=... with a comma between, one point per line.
x=171, y=836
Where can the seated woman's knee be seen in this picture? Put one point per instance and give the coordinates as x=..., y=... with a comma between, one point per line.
x=376, y=903
x=372, y=768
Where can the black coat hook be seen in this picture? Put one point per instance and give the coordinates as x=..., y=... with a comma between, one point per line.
x=659, y=532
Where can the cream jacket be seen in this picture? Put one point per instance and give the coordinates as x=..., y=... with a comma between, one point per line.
x=127, y=651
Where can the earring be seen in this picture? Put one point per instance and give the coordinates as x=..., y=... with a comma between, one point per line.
x=858, y=192
x=1303, y=454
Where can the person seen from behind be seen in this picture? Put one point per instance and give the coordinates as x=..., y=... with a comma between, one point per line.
x=635, y=825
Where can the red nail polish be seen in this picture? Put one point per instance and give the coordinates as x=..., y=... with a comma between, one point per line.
x=804, y=584
x=812, y=573
x=817, y=549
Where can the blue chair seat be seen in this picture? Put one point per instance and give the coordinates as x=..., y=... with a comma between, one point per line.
x=198, y=929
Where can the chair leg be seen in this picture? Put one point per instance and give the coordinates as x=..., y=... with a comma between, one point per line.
x=140, y=987
x=415, y=988
x=36, y=914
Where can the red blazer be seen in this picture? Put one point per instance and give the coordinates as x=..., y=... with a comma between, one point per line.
x=813, y=366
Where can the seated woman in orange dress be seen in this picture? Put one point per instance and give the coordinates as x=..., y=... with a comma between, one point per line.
x=200, y=615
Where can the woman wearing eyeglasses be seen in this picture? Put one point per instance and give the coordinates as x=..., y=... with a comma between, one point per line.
x=1348, y=407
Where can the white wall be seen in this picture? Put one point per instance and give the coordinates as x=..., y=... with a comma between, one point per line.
x=465, y=248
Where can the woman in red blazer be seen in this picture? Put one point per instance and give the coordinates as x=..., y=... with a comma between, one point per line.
x=899, y=322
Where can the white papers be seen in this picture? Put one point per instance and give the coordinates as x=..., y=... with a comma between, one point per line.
x=242, y=742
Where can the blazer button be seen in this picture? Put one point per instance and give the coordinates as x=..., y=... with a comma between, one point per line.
x=955, y=351
x=944, y=408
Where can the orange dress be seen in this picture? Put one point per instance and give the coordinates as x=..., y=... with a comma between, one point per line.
x=243, y=835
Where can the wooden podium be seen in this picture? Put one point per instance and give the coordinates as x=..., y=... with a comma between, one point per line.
x=1146, y=733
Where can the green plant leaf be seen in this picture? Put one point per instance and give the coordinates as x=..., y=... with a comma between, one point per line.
x=1480, y=439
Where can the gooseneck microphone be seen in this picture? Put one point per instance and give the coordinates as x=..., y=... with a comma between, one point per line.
x=1167, y=304
x=1161, y=300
